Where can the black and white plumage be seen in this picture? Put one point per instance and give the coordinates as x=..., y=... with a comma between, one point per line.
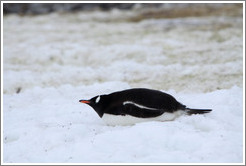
x=138, y=105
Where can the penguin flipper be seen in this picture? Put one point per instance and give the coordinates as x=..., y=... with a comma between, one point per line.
x=141, y=111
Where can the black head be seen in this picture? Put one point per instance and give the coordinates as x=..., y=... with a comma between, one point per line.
x=96, y=103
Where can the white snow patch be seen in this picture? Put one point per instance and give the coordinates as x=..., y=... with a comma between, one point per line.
x=50, y=125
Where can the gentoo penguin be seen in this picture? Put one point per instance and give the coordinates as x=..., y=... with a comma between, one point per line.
x=138, y=105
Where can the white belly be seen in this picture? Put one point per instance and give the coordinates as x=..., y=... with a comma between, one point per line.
x=114, y=120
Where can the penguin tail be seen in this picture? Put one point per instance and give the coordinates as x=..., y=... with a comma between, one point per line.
x=191, y=111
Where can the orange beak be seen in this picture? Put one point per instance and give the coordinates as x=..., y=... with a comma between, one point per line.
x=84, y=101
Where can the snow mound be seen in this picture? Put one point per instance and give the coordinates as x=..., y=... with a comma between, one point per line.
x=50, y=125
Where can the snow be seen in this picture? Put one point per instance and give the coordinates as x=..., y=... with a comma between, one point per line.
x=50, y=125
x=52, y=61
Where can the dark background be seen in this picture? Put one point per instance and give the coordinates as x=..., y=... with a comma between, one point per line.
x=41, y=8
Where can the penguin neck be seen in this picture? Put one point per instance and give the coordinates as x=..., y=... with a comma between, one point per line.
x=98, y=110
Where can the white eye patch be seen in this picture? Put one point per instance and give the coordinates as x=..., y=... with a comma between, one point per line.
x=98, y=99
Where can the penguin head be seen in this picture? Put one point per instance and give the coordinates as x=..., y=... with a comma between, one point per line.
x=96, y=103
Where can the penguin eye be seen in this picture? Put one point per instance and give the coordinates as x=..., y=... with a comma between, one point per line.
x=98, y=99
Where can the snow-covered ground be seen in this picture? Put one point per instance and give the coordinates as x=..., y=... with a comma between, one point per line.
x=52, y=61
